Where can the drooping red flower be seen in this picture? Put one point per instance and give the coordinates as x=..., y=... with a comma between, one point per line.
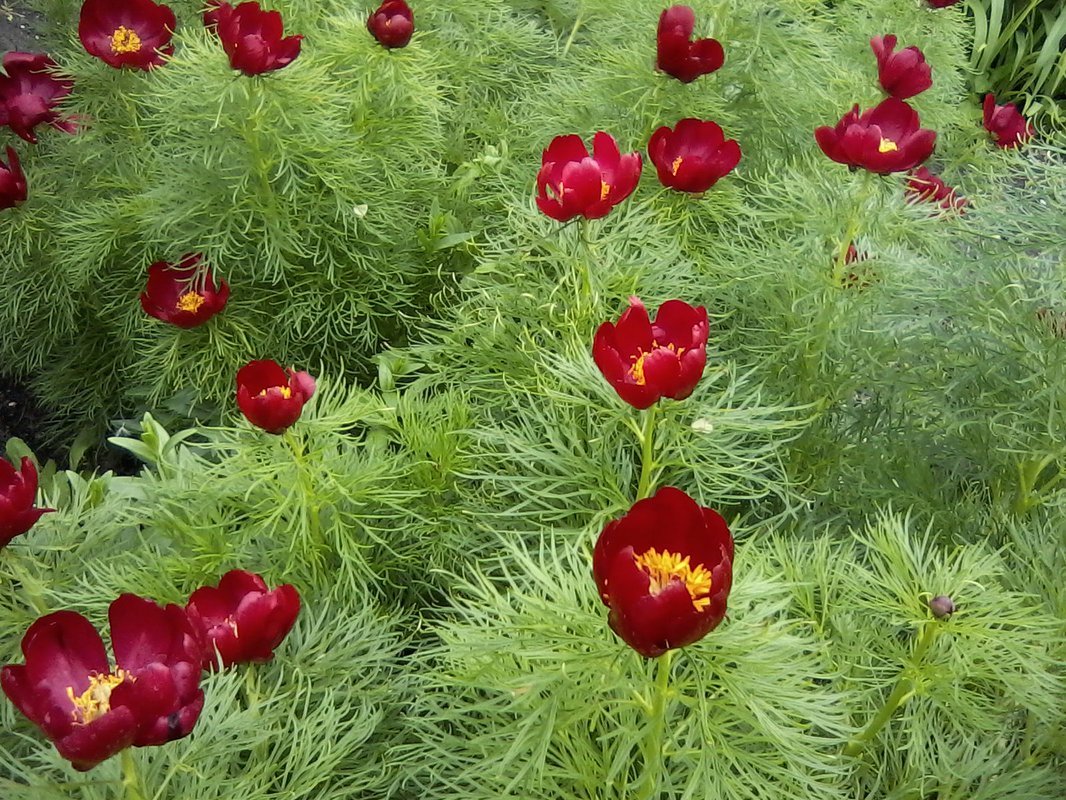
x=645, y=361
x=127, y=33
x=941, y=3
x=254, y=39
x=241, y=618
x=18, y=493
x=1006, y=124
x=271, y=397
x=29, y=93
x=392, y=24
x=677, y=54
x=215, y=10
x=572, y=183
x=183, y=294
x=902, y=74
x=12, y=181
x=664, y=570
x=693, y=156
x=923, y=185
x=90, y=710
x=886, y=138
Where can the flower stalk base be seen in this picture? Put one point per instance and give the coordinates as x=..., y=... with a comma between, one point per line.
x=653, y=744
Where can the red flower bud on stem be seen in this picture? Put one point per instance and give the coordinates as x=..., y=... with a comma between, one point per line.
x=904, y=73
x=677, y=54
x=392, y=24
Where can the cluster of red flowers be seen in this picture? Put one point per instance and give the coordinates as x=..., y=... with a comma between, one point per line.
x=91, y=710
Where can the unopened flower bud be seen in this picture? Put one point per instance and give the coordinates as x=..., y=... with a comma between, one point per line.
x=942, y=606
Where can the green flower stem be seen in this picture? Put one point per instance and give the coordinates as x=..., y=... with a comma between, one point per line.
x=862, y=194
x=647, y=454
x=307, y=489
x=131, y=777
x=583, y=282
x=901, y=693
x=653, y=744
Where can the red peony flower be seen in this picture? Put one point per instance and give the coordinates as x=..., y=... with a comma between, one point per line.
x=941, y=3
x=91, y=711
x=242, y=619
x=903, y=74
x=18, y=493
x=29, y=93
x=271, y=397
x=664, y=569
x=12, y=181
x=392, y=24
x=127, y=33
x=677, y=55
x=1006, y=124
x=924, y=185
x=692, y=156
x=178, y=294
x=572, y=183
x=253, y=38
x=886, y=138
x=646, y=361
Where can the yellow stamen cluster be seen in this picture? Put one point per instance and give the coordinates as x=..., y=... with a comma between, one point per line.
x=637, y=370
x=887, y=146
x=605, y=189
x=96, y=700
x=664, y=567
x=675, y=166
x=286, y=392
x=124, y=40
x=191, y=302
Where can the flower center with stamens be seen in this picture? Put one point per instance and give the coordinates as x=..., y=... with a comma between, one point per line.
x=190, y=302
x=887, y=146
x=605, y=189
x=123, y=40
x=637, y=370
x=285, y=391
x=96, y=700
x=675, y=166
x=665, y=567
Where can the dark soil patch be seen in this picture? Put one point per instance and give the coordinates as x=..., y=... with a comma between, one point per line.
x=18, y=28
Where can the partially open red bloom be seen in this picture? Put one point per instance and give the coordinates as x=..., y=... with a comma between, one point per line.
x=29, y=94
x=692, y=156
x=924, y=185
x=271, y=397
x=254, y=39
x=18, y=493
x=127, y=33
x=183, y=294
x=664, y=569
x=886, y=138
x=645, y=361
x=241, y=618
x=572, y=183
x=90, y=710
x=392, y=24
x=677, y=55
x=902, y=74
x=1006, y=124
x=12, y=181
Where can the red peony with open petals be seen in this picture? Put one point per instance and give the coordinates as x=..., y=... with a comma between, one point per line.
x=904, y=73
x=29, y=93
x=664, y=570
x=271, y=397
x=923, y=185
x=241, y=618
x=392, y=24
x=645, y=361
x=572, y=183
x=127, y=33
x=254, y=39
x=18, y=493
x=183, y=294
x=88, y=708
x=1006, y=124
x=677, y=54
x=12, y=181
x=886, y=138
x=693, y=156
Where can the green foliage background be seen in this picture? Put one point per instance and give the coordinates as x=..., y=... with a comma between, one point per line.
x=437, y=502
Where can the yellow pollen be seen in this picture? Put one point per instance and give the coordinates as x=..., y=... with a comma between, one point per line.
x=662, y=568
x=124, y=40
x=637, y=370
x=887, y=146
x=96, y=700
x=191, y=302
x=675, y=166
x=605, y=189
x=286, y=392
